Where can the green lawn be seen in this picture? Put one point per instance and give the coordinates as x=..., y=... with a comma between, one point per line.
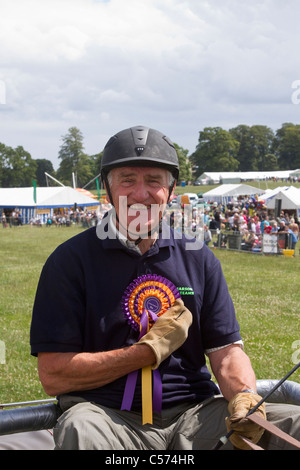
x=265, y=290
x=23, y=252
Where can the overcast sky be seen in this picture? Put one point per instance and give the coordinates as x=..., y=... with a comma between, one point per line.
x=175, y=65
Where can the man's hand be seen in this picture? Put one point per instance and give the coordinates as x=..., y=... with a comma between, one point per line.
x=169, y=332
x=238, y=408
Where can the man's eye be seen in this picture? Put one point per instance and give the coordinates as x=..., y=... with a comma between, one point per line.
x=154, y=181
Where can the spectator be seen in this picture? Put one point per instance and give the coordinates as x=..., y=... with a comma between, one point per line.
x=206, y=235
x=252, y=227
x=264, y=223
x=3, y=219
x=282, y=226
x=293, y=232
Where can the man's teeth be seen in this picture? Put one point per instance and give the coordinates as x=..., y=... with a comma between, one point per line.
x=139, y=207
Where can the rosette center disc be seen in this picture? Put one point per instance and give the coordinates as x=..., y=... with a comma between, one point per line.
x=153, y=304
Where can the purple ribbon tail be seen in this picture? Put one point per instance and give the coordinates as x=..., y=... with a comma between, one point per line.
x=132, y=377
x=143, y=324
x=129, y=390
x=157, y=391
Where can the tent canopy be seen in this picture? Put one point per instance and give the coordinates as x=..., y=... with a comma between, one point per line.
x=290, y=198
x=46, y=197
x=239, y=176
x=225, y=192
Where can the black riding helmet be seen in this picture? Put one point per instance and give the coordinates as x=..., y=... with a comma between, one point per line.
x=139, y=146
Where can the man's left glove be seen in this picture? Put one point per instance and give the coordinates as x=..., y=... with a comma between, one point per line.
x=238, y=407
x=169, y=332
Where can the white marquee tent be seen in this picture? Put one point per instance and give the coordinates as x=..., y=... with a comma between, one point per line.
x=289, y=196
x=226, y=192
x=44, y=201
x=216, y=177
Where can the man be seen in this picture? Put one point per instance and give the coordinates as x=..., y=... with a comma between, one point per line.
x=206, y=235
x=86, y=348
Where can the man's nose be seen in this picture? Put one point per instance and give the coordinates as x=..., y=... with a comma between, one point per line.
x=140, y=191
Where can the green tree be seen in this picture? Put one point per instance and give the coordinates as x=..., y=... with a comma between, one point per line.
x=2, y=162
x=242, y=134
x=96, y=163
x=185, y=172
x=43, y=165
x=270, y=162
x=216, y=151
x=287, y=146
x=74, y=159
x=18, y=169
x=255, y=145
x=262, y=141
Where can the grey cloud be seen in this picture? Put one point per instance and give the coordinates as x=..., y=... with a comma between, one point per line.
x=174, y=65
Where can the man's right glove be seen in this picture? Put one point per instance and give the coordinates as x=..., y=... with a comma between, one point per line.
x=238, y=407
x=169, y=332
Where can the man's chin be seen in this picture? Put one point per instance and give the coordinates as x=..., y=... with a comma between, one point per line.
x=135, y=231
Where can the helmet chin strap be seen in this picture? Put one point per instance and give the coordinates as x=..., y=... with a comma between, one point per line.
x=153, y=230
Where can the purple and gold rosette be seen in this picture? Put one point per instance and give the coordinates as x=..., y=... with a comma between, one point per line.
x=144, y=300
x=148, y=296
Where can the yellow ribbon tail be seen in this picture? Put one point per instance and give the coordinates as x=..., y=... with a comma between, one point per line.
x=147, y=395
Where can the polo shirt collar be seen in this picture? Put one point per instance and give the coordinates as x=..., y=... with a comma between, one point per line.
x=115, y=240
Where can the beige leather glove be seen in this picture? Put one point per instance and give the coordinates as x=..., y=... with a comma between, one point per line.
x=169, y=332
x=238, y=407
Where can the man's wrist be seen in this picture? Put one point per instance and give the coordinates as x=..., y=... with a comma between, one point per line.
x=145, y=353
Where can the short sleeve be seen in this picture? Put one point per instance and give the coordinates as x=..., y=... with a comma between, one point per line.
x=58, y=311
x=218, y=319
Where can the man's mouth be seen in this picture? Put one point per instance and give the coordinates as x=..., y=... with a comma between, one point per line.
x=139, y=207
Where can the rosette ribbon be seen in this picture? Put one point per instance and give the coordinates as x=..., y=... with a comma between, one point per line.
x=144, y=300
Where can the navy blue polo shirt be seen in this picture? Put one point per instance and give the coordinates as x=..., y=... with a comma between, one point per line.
x=78, y=309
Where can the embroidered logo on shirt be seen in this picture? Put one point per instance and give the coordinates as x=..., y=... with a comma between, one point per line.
x=185, y=290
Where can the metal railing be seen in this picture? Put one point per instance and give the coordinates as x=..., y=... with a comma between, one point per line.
x=266, y=243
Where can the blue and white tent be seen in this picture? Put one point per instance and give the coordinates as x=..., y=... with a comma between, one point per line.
x=43, y=201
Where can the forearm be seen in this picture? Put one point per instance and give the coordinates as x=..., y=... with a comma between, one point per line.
x=233, y=371
x=70, y=372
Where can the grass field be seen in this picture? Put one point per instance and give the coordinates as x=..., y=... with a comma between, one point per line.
x=265, y=291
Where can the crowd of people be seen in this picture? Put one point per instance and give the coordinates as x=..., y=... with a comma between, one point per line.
x=59, y=218
x=83, y=217
x=246, y=216
x=14, y=219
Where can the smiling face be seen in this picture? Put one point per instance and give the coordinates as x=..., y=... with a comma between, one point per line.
x=140, y=196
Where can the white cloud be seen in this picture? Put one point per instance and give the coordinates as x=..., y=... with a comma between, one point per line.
x=177, y=65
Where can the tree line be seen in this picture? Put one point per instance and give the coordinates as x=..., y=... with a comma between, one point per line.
x=247, y=148
x=19, y=169
x=242, y=148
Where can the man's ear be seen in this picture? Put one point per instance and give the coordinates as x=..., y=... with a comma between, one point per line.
x=107, y=192
x=107, y=189
x=171, y=190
